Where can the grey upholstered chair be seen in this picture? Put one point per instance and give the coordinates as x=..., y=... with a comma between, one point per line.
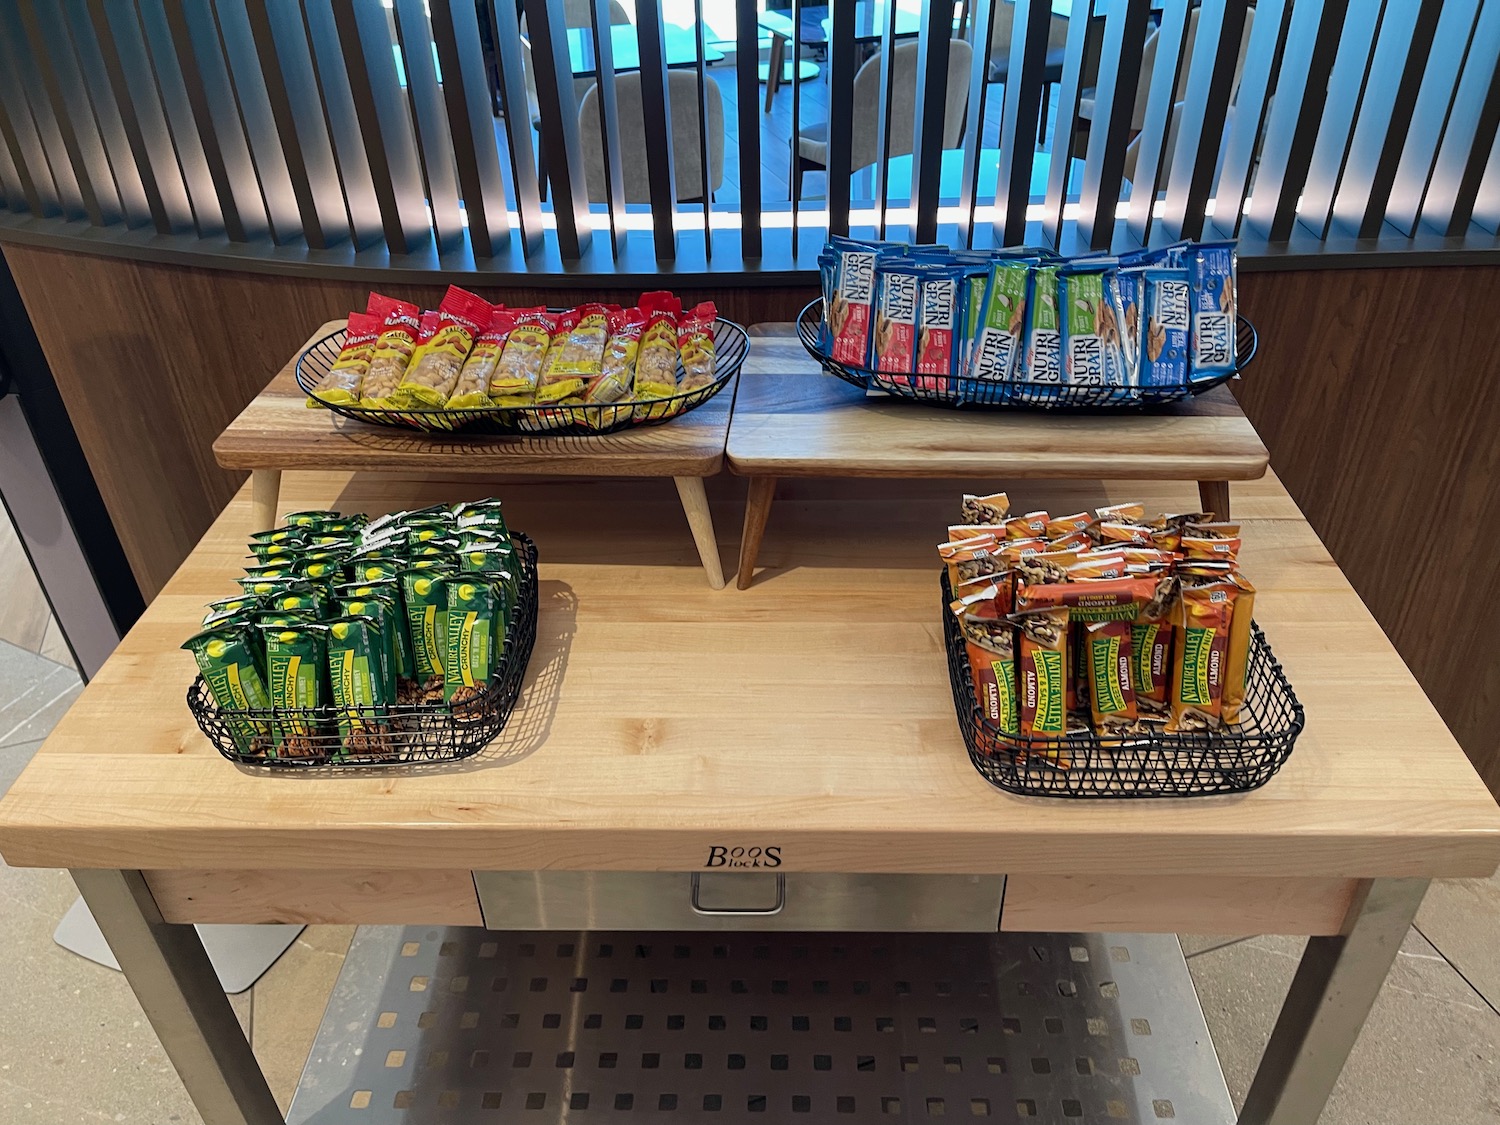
x=682, y=94
x=811, y=152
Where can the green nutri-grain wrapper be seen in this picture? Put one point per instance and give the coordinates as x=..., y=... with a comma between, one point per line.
x=385, y=618
x=475, y=635
x=424, y=595
x=297, y=673
x=230, y=665
x=356, y=677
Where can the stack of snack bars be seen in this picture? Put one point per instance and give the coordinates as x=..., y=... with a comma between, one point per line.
x=371, y=617
x=1158, y=318
x=1105, y=620
x=468, y=354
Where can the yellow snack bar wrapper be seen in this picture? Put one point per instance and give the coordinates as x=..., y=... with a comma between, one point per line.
x=400, y=323
x=520, y=366
x=656, y=362
x=341, y=382
x=576, y=356
x=442, y=348
x=472, y=391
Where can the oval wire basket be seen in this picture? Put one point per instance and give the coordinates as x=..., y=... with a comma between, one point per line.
x=731, y=345
x=1201, y=763
x=1006, y=394
x=397, y=735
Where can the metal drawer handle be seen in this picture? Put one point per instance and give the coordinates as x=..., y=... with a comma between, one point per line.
x=776, y=908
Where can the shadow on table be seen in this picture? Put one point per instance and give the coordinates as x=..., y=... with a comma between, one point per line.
x=531, y=721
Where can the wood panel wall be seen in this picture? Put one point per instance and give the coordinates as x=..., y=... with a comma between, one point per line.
x=1376, y=391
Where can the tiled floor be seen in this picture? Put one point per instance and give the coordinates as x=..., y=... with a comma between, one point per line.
x=74, y=1046
x=25, y=619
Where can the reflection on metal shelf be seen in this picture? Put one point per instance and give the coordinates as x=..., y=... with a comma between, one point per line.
x=448, y=1025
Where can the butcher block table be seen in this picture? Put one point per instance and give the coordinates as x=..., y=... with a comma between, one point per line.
x=725, y=768
x=793, y=420
x=277, y=431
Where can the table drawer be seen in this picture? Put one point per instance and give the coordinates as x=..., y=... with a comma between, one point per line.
x=754, y=900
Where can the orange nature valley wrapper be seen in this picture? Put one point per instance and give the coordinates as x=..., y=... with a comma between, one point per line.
x=1239, y=649
x=989, y=641
x=1106, y=647
x=991, y=509
x=1042, y=671
x=1032, y=525
x=1201, y=627
x=1151, y=651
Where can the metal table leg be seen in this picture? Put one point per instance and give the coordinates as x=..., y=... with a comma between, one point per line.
x=1326, y=1006
x=180, y=993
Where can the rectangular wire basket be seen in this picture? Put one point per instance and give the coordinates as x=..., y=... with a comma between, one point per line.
x=400, y=734
x=1234, y=759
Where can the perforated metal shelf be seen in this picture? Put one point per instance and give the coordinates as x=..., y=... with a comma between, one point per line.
x=448, y=1026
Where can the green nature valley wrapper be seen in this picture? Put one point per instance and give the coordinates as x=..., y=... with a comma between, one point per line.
x=229, y=608
x=424, y=595
x=475, y=636
x=230, y=666
x=389, y=626
x=297, y=673
x=356, y=677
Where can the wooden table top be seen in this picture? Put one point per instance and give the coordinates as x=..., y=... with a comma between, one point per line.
x=791, y=419
x=811, y=712
x=278, y=431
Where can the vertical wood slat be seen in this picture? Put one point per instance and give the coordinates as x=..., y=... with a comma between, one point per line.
x=1348, y=82
x=1171, y=38
x=244, y=216
x=933, y=39
x=291, y=88
x=983, y=17
x=1221, y=28
x=1262, y=61
x=1031, y=24
x=1062, y=125
x=1385, y=122
x=1471, y=195
x=384, y=125
x=366, y=227
x=796, y=109
x=52, y=50
x=1301, y=91
x=703, y=161
x=434, y=142
x=601, y=26
x=49, y=158
x=104, y=94
x=18, y=134
x=657, y=107
x=247, y=83
x=548, y=27
x=747, y=107
x=471, y=123
x=213, y=214
x=1485, y=210
x=1439, y=104
x=842, y=68
x=1464, y=126
x=1109, y=131
x=505, y=30
x=883, y=157
x=10, y=177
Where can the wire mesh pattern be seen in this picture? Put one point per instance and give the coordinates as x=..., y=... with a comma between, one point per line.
x=400, y=734
x=962, y=391
x=1235, y=759
x=731, y=345
x=456, y=1026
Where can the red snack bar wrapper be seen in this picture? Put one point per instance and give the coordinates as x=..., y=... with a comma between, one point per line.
x=442, y=348
x=695, y=345
x=400, y=323
x=656, y=361
x=849, y=307
x=342, y=381
x=894, y=347
x=472, y=389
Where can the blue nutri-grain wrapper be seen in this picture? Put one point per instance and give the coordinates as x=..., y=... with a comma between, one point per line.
x=940, y=320
x=893, y=344
x=1165, y=301
x=849, y=300
x=1211, y=273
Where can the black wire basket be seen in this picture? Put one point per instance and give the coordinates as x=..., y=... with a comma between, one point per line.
x=399, y=735
x=1234, y=759
x=731, y=345
x=959, y=391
